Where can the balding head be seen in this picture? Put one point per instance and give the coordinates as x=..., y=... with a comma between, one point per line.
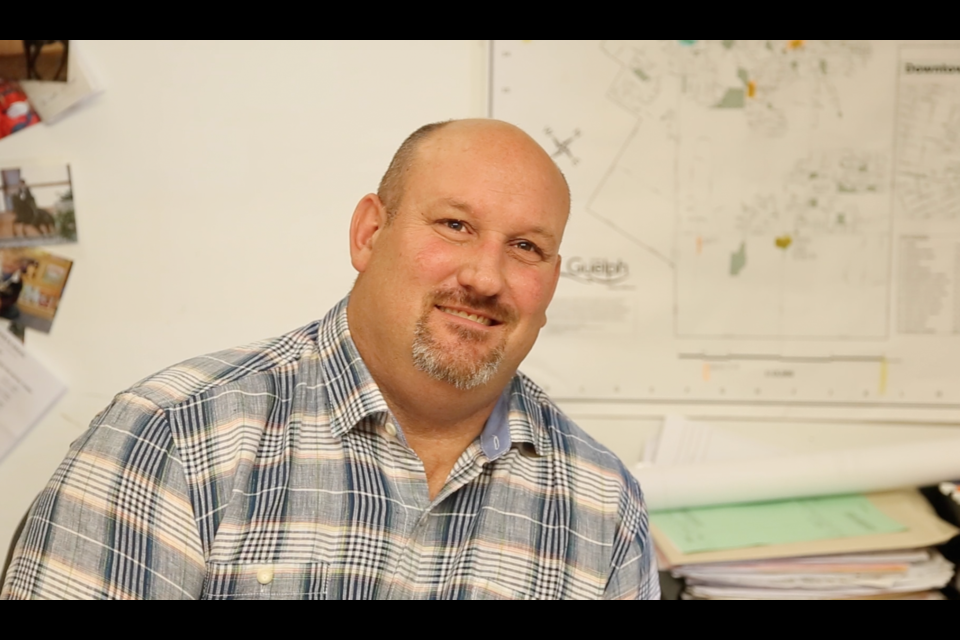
x=459, y=256
x=496, y=133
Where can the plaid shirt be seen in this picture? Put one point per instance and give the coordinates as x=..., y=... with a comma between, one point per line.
x=276, y=471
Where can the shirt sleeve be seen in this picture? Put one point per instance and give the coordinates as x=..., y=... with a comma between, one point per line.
x=115, y=521
x=634, y=575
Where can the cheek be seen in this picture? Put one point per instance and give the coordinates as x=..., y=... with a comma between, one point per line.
x=532, y=293
x=434, y=261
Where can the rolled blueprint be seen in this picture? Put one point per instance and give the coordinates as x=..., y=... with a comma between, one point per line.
x=802, y=475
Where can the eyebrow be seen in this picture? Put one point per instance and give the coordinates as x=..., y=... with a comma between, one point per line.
x=459, y=205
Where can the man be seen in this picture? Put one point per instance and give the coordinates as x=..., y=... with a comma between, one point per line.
x=390, y=450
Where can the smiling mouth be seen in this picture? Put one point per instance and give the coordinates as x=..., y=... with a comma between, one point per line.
x=482, y=320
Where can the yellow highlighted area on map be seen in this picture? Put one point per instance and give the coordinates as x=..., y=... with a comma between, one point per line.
x=783, y=242
x=751, y=89
x=884, y=370
x=795, y=44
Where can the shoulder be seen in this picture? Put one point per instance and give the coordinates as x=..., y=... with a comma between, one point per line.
x=593, y=467
x=194, y=377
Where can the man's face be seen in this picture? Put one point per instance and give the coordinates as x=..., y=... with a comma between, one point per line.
x=470, y=262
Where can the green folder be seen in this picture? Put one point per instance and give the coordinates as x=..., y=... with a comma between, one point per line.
x=768, y=523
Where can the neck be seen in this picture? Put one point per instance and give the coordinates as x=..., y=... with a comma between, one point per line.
x=438, y=420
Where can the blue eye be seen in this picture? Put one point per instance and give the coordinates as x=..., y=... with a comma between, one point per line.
x=529, y=247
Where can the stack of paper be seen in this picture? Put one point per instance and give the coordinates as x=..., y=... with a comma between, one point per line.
x=837, y=547
x=903, y=575
x=852, y=545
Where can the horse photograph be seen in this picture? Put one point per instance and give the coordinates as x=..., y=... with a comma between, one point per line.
x=36, y=206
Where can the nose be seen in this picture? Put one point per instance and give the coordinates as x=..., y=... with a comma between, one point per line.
x=482, y=269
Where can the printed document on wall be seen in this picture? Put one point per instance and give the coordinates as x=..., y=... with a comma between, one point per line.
x=27, y=391
x=767, y=224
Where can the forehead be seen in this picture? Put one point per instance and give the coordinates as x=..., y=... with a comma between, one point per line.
x=478, y=170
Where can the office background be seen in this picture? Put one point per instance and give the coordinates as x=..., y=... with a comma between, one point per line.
x=214, y=184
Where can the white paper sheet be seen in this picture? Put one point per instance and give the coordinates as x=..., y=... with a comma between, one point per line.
x=27, y=391
x=703, y=475
x=685, y=441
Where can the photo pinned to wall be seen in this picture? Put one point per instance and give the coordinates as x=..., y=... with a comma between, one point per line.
x=16, y=113
x=34, y=60
x=53, y=100
x=36, y=205
x=31, y=285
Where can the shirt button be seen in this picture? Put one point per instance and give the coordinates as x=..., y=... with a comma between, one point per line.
x=265, y=575
x=390, y=429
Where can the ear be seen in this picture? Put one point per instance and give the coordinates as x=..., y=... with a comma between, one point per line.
x=369, y=218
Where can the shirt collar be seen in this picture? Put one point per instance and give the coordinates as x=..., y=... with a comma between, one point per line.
x=495, y=440
x=528, y=403
x=351, y=392
x=353, y=395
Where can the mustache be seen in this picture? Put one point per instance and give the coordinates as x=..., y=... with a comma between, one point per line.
x=489, y=305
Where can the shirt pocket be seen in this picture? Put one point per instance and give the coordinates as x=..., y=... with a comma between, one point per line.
x=245, y=581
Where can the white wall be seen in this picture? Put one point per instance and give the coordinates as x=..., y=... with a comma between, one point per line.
x=214, y=184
